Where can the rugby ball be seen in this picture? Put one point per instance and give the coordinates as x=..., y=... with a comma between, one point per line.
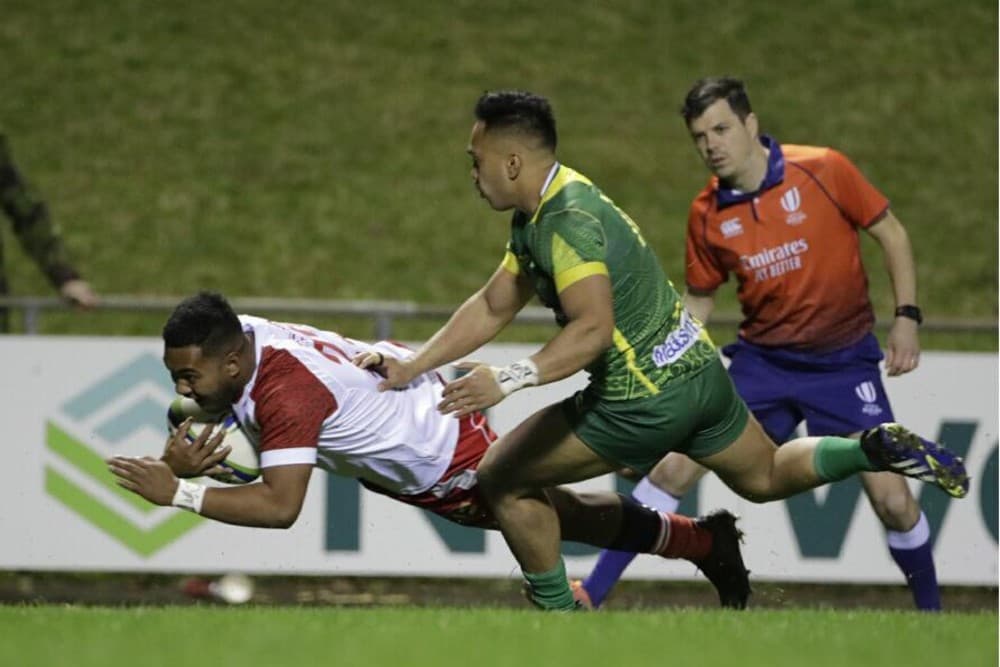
x=242, y=463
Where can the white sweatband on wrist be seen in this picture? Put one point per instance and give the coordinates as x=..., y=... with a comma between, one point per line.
x=189, y=496
x=517, y=375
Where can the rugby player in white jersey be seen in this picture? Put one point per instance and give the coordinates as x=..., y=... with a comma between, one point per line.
x=303, y=404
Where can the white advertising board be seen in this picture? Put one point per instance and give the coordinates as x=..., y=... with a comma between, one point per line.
x=67, y=403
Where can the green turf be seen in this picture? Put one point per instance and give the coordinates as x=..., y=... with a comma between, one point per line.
x=318, y=151
x=219, y=637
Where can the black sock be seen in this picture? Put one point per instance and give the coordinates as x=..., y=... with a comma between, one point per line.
x=640, y=527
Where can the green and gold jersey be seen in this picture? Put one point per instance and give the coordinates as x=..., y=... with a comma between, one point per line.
x=578, y=232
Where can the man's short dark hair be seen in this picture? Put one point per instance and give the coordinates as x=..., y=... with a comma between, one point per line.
x=706, y=92
x=519, y=111
x=206, y=320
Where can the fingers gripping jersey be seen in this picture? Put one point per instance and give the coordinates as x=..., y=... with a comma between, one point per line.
x=306, y=403
x=578, y=232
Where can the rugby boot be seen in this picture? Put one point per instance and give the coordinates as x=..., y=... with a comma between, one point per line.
x=724, y=564
x=892, y=447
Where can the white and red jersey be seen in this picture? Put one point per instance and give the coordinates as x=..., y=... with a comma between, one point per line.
x=306, y=403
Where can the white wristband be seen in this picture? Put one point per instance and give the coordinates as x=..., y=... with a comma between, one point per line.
x=517, y=375
x=189, y=496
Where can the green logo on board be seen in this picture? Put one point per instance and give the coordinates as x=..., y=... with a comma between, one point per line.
x=122, y=413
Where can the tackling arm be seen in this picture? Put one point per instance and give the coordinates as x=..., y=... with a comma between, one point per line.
x=476, y=322
x=589, y=331
x=587, y=304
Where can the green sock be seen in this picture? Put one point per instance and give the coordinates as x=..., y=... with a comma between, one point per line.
x=550, y=590
x=839, y=458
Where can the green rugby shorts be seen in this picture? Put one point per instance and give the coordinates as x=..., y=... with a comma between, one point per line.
x=699, y=416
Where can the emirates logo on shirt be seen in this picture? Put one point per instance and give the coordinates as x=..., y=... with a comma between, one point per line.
x=791, y=201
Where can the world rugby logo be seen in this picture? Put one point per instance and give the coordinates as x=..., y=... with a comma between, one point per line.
x=868, y=395
x=790, y=202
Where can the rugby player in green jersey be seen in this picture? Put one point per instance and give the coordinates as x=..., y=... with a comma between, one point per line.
x=656, y=382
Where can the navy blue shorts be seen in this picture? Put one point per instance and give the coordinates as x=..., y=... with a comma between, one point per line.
x=835, y=393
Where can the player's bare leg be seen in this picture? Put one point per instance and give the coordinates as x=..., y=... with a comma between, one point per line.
x=758, y=470
x=907, y=533
x=676, y=474
x=661, y=490
x=542, y=453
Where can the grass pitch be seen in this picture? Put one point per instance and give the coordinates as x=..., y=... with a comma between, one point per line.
x=442, y=637
x=319, y=151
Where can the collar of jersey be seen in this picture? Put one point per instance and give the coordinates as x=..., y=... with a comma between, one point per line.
x=775, y=175
x=563, y=176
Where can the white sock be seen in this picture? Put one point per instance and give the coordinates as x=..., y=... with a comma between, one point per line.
x=913, y=538
x=653, y=496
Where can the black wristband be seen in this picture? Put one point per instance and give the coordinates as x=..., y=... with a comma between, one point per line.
x=911, y=312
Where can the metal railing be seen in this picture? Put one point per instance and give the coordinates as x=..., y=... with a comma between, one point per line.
x=382, y=313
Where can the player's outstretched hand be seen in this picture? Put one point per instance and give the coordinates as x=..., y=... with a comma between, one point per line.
x=201, y=457
x=397, y=373
x=902, y=349
x=476, y=390
x=150, y=478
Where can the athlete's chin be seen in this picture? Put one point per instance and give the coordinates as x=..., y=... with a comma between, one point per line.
x=495, y=205
x=720, y=168
x=212, y=405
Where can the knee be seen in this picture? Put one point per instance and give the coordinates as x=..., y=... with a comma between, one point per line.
x=760, y=494
x=675, y=474
x=896, y=509
x=759, y=488
x=492, y=481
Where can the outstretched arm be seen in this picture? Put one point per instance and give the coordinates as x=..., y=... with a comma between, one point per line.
x=275, y=502
x=589, y=331
x=476, y=322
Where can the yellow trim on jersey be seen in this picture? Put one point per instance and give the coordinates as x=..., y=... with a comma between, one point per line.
x=565, y=255
x=509, y=263
x=564, y=176
x=704, y=334
x=628, y=352
x=578, y=273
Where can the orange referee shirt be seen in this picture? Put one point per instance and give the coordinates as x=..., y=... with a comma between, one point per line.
x=793, y=246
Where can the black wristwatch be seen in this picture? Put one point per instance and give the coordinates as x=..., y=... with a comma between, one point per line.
x=912, y=312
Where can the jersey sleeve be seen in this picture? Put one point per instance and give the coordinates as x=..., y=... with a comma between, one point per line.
x=291, y=406
x=702, y=270
x=576, y=248
x=860, y=201
x=509, y=262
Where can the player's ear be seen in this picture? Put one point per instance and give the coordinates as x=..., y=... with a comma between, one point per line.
x=513, y=166
x=231, y=363
x=751, y=124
